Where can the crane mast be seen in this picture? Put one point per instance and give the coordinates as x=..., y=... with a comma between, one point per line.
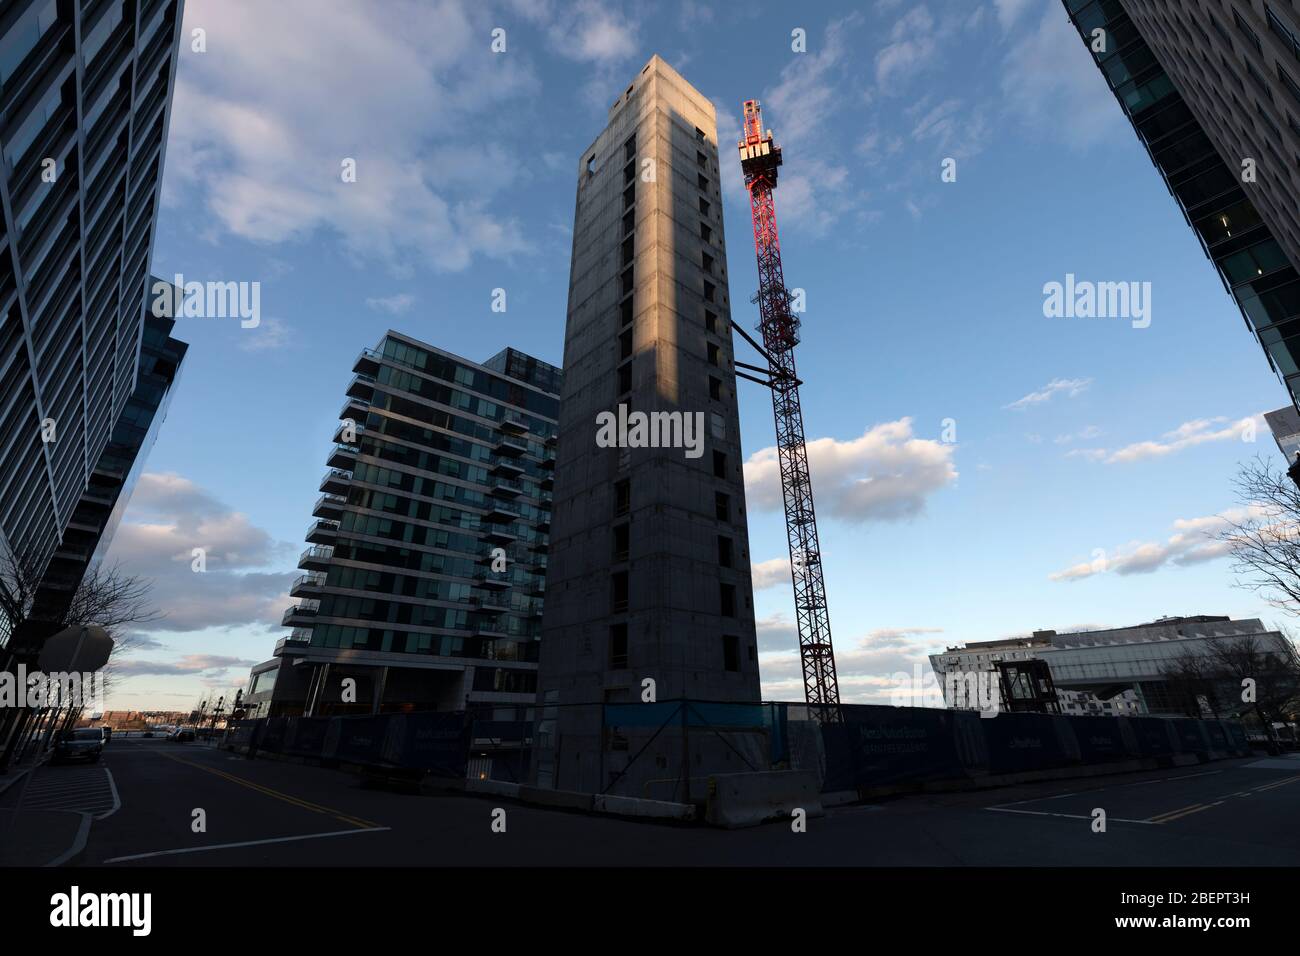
x=759, y=159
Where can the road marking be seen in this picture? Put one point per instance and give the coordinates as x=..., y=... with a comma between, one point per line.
x=78, y=844
x=1275, y=784
x=1186, y=776
x=296, y=801
x=117, y=800
x=230, y=846
x=1071, y=816
x=1182, y=812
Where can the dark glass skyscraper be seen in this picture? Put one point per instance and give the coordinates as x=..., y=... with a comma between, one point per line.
x=1212, y=90
x=85, y=95
x=426, y=564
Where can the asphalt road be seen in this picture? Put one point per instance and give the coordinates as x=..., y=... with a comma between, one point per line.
x=270, y=813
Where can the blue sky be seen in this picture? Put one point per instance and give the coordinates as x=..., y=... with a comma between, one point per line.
x=1090, y=456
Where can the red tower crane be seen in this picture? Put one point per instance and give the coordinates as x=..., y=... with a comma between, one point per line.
x=759, y=159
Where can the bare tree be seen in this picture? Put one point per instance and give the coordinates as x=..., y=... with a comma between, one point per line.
x=1191, y=676
x=1266, y=674
x=1264, y=535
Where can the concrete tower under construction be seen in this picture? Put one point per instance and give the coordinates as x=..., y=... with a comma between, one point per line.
x=648, y=589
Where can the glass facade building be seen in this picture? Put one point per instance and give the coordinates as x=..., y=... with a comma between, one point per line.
x=85, y=94
x=1211, y=88
x=425, y=566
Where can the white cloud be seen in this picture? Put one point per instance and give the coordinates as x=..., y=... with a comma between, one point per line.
x=1194, y=541
x=1050, y=82
x=912, y=47
x=1069, y=387
x=268, y=334
x=397, y=304
x=886, y=474
x=168, y=517
x=1187, y=435
x=1010, y=10
x=1086, y=433
x=263, y=121
x=868, y=671
x=769, y=574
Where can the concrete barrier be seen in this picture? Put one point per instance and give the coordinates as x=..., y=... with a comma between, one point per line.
x=747, y=799
x=645, y=809
x=563, y=799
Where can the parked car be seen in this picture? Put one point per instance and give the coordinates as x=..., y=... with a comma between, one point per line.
x=181, y=734
x=84, y=743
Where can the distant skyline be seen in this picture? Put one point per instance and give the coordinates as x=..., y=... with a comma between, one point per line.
x=981, y=470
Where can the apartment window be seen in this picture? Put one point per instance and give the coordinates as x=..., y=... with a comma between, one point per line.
x=625, y=312
x=715, y=388
x=726, y=599
x=706, y=262
x=618, y=646
x=731, y=652
x=625, y=378
x=710, y=320
x=622, y=497
x=1282, y=32
x=629, y=173
x=724, y=551
x=1247, y=32
x=629, y=223
x=627, y=281
x=622, y=536
x=591, y=165
x=702, y=181
x=722, y=506
x=713, y=354
x=717, y=426
x=625, y=345
x=719, y=464
x=629, y=148
x=627, y=251
x=699, y=134
x=629, y=196
x=618, y=592
x=700, y=158
x=705, y=232
x=709, y=289
x=704, y=206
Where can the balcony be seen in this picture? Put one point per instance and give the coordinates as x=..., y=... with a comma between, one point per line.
x=492, y=604
x=336, y=482
x=300, y=614
x=508, y=445
x=355, y=409
x=548, y=462
x=514, y=423
x=506, y=467
x=363, y=387
x=316, y=558
x=500, y=511
x=322, y=532
x=367, y=362
x=546, y=483
x=489, y=629
x=340, y=433
x=329, y=506
x=499, y=535
x=552, y=440
x=507, y=488
x=343, y=456
x=308, y=585
x=492, y=581
x=542, y=547
x=298, y=640
x=543, y=522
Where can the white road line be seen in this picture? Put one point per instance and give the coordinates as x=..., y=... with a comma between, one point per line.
x=117, y=800
x=78, y=844
x=1072, y=816
x=229, y=846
